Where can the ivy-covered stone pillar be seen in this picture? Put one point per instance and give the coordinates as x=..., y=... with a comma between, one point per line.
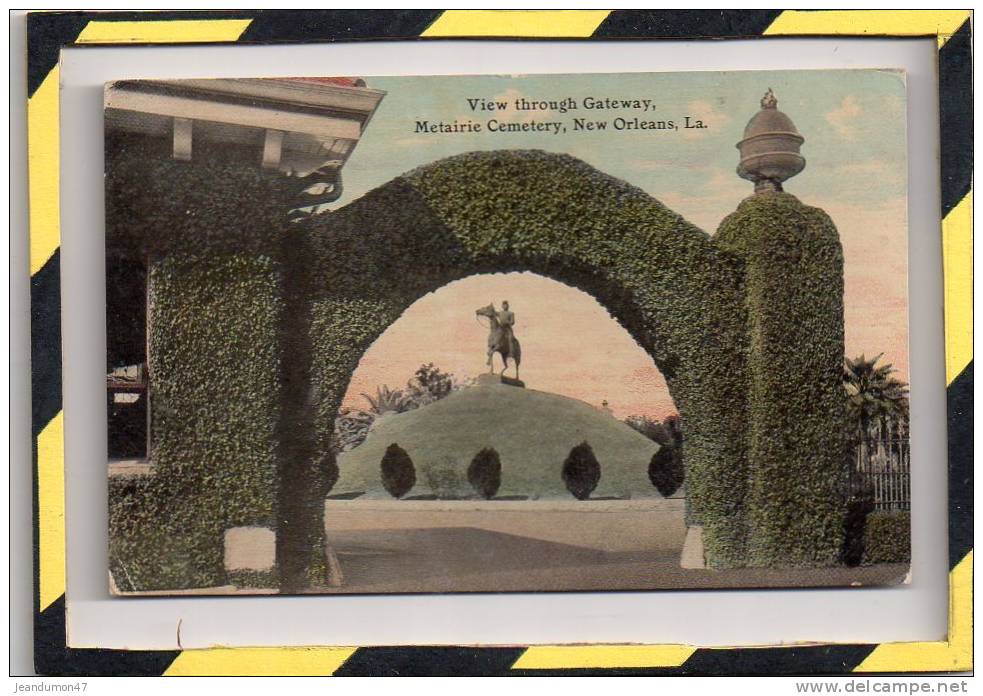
x=208, y=232
x=203, y=180
x=796, y=451
x=793, y=283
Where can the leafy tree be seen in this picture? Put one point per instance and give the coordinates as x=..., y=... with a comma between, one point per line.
x=649, y=427
x=398, y=474
x=351, y=427
x=665, y=469
x=581, y=471
x=485, y=473
x=428, y=384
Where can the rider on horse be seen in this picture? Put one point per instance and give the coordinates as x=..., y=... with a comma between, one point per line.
x=506, y=320
x=501, y=338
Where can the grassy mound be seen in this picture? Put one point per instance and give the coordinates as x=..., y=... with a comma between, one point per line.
x=532, y=431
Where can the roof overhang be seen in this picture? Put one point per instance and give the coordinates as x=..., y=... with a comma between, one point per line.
x=298, y=126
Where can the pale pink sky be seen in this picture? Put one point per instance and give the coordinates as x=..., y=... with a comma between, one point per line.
x=570, y=344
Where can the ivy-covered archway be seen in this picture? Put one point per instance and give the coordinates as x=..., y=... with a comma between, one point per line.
x=665, y=281
x=257, y=325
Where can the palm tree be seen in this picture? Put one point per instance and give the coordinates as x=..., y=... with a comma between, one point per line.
x=388, y=400
x=872, y=394
x=874, y=398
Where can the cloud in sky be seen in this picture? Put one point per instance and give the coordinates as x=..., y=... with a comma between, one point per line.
x=707, y=204
x=844, y=117
x=703, y=110
x=884, y=173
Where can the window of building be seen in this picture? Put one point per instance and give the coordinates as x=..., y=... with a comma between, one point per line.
x=127, y=369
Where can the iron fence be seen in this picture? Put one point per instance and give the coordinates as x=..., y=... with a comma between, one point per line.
x=882, y=465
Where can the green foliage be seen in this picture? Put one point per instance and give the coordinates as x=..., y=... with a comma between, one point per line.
x=795, y=408
x=214, y=205
x=398, y=474
x=328, y=468
x=253, y=578
x=388, y=400
x=485, y=473
x=581, y=471
x=887, y=538
x=701, y=307
x=158, y=539
x=471, y=419
x=872, y=394
x=216, y=392
x=350, y=429
x=666, y=471
x=429, y=384
x=214, y=354
x=859, y=505
x=444, y=479
x=665, y=468
x=649, y=427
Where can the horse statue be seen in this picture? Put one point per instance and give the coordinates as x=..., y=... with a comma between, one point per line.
x=501, y=340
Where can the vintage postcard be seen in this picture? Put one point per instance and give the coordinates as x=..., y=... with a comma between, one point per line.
x=577, y=332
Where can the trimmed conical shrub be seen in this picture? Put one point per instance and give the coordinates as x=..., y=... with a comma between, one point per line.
x=398, y=474
x=666, y=471
x=485, y=473
x=581, y=471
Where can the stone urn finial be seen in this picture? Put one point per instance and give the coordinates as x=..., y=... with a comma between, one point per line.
x=770, y=148
x=769, y=101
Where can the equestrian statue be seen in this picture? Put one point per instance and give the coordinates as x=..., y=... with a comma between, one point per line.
x=501, y=339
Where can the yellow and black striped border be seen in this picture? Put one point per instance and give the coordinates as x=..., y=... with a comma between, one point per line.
x=51, y=31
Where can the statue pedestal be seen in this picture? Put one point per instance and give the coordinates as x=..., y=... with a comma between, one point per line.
x=489, y=378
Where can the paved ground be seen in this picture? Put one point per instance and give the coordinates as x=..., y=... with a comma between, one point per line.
x=462, y=559
x=650, y=524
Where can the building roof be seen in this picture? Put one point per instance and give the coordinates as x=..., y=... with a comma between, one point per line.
x=340, y=81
